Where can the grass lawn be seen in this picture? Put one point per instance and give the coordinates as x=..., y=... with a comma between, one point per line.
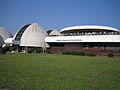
x=58, y=72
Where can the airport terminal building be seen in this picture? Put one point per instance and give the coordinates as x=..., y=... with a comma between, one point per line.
x=88, y=38
x=98, y=39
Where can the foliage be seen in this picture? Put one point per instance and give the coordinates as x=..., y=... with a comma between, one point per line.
x=66, y=52
x=90, y=54
x=12, y=48
x=38, y=50
x=30, y=50
x=3, y=50
x=110, y=55
x=24, y=71
x=74, y=53
x=48, y=51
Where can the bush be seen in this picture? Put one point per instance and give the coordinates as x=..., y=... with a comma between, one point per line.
x=12, y=48
x=82, y=53
x=38, y=51
x=110, y=55
x=30, y=51
x=48, y=51
x=66, y=52
x=73, y=53
x=90, y=54
x=2, y=50
x=6, y=48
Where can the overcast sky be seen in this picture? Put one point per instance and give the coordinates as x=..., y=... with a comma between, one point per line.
x=57, y=14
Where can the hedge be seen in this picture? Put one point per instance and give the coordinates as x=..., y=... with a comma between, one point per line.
x=38, y=50
x=110, y=55
x=73, y=53
x=30, y=50
x=3, y=50
x=90, y=54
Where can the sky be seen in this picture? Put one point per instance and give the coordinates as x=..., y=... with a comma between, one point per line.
x=58, y=14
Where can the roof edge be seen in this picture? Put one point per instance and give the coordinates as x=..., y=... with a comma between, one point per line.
x=89, y=27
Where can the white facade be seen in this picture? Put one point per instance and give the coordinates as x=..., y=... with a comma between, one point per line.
x=93, y=38
x=9, y=41
x=86, y=38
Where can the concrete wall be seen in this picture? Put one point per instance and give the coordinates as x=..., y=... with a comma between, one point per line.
x=91, y=38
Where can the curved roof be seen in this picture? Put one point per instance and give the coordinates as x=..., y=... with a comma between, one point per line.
x=89, y=27
x=54, y=33
x=33, y=36
x=19, y=33
x=1, y=41
x=4, y=33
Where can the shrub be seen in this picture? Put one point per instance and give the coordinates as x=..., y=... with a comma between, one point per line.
x=63, y=52
x=110, y=55
x=73, y=53
x=12, y=48
x=30, y=51
x=66, y=52
x=48, y=51
x=2, y=50
x=90, y=54
x=82, y=53
x=6, y=48
x=38, y=50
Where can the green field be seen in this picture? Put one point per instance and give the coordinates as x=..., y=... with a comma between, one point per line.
x=58, y=72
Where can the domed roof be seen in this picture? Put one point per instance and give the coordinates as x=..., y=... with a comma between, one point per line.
x=4, y=33
x=1, y=41
x=18, y=34
x=34, y=35
x=94, y=27
x=54, y=33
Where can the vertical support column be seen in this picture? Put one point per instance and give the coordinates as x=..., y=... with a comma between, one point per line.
x=26, y=49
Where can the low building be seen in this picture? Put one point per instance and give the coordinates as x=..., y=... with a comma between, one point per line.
x=100, y=40
x=89, y=38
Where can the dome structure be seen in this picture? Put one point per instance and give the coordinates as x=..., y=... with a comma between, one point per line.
x=54, y=33
x=31, y=35
x=89, y=27
x=1, y=41
x=4, y=34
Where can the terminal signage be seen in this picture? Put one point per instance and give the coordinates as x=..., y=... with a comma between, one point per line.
x=69, y=39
